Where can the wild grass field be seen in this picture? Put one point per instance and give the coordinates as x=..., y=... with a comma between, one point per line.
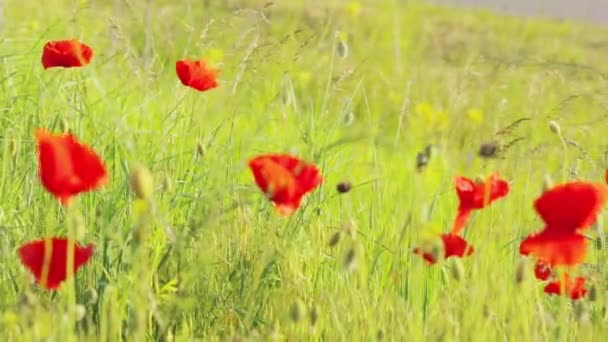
x=357, y=88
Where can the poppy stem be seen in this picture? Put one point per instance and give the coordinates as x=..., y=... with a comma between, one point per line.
x=462, y=217
x=70, y=260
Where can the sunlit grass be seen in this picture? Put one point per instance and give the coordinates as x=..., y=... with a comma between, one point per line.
x=218, y=262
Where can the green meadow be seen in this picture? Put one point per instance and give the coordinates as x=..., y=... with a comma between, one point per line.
x=357, y=88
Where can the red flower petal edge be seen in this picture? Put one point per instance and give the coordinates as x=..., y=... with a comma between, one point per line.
x=66, y=54
x=453, y=246
x=47, y=260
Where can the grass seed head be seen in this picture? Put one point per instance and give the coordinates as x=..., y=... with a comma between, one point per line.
x=142, y=182
x=167, y=183
x=430, y=151
x=342, y=48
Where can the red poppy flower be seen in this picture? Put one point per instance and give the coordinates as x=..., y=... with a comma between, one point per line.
x=555, y=248
x=572, y=206
x=285, y=179
x=47, y=260
x=66, y=54
x=474, y=196
x=453, y=246
x=573, y=288
x=196, y=74
x=68, y=167
x=542, y=270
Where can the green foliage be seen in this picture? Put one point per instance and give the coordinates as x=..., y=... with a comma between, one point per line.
x=217, y=262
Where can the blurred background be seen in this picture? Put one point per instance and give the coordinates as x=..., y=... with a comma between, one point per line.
x=595, y=11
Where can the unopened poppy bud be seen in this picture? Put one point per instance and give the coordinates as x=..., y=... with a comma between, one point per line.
x=421, y=161
x=313, y=315
x=296, y=311
x=581, y=313
x=350, y=260
x=349, y=118
x=335, y=239
x=65, y=126
x=80, y=312
x=430, y=150
x=344, y=187
x=547, y=183
x=480, y=179
x=167, y=183
x=554, y=127
x=200, y=149
x=91, y=296
x=599, y=243
x=11, y=147
x=457, y=269
x=380, y=335
x=488, y=150
x=142, y=182
x=342, y=48
x=521, y=273
x=592, y=296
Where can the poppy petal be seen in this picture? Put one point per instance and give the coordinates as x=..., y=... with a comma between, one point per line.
x=66, y=54
x=284, y=179
x=542, y=270
x=453, y=246
x=474, y=195
x=196, y=74
x=571, y=206
x=555, y=248
x=47, y=260
x=68, y=167
x=573, y=288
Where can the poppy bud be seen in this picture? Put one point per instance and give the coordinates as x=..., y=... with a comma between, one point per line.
x=547, y=183
x=480, y=179
x=581, y=312
x=11, y=147
x=91, y=295
x=142, y=182
x=313, y=315
x=342, y=48
x=349, y=118
x=457, y=269
x=521, y=273
x=350, y=228
x=380, y=335
x=80, y=312
x=344, y=187
x=350, y=260
x=554, y=127
x=421, y=161
x=430, y=150
x=488, y=150
x=167, y=183
x=200, y=149
x=592, y=296
x=599, y=243
x=296, y=311
x=335, y=239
